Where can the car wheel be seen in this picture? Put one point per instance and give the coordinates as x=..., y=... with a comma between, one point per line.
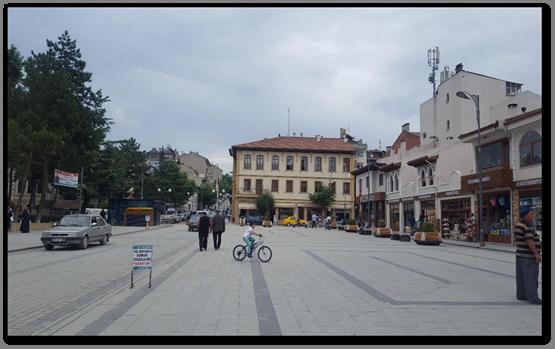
x=49, y=247
x=84, y=243
x=104, y=240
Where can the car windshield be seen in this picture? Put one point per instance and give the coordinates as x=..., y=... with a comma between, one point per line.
x=78, y=221
x=194, y=217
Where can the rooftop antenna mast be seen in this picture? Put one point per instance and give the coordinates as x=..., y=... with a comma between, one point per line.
x=433, y=62
x=287, y=122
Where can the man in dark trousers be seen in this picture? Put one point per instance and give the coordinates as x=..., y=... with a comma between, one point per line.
x=528, y=258
x=218, y=227
x=203, y=230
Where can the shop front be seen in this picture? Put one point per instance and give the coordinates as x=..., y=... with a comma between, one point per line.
x=496, y=202
x=409, y=218
x=394, y=214
x=456, y=222
x=427, y=209
x=528, y=194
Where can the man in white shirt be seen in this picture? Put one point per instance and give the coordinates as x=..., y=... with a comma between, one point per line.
x=249, y=239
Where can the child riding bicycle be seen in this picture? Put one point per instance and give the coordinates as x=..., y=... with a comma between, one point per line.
x=249, y=239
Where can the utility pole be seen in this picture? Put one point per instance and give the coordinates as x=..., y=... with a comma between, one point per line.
x=81, y=192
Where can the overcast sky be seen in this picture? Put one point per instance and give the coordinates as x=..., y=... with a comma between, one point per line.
x=205, y=79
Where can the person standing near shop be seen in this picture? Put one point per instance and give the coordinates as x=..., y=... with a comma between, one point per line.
x=528, y=258
x=25, y=220
x=203, y=230
x=218, y=227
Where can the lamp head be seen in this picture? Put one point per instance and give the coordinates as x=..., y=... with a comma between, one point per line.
x=462, y=94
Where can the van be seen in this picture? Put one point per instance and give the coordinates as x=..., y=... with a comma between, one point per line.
x=202, y=213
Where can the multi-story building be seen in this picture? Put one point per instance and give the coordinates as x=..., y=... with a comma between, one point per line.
x=435, y=180
x=201, y=170
x=370, y=190
x=290, y=168
x=154, y=156
x=361, y=148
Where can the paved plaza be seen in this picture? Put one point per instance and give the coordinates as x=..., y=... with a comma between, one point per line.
x=317, y=283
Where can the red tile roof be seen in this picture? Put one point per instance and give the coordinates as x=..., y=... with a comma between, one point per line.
x=298, y=144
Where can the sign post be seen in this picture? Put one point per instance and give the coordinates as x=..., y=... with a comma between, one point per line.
x=142, y=260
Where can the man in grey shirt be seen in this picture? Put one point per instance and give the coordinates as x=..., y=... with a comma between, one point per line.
x=528, y=257
x=218, y=227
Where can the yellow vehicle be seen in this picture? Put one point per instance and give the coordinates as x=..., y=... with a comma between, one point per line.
x=292, y=220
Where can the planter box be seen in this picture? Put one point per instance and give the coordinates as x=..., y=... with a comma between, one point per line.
x=395, y=236
x=428, y=238
x=351, y=228
x=404, y=237
x=383, y=232
x=266, y=223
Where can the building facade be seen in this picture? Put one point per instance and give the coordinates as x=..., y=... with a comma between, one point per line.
x=290, y=168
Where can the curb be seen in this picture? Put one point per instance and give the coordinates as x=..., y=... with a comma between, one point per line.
x=478, y=247
x=125, y=233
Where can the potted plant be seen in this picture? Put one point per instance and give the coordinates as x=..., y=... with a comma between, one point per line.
x=382, y=231
x=265, y=205
x=333, y=224
x=351, y=226
x=426, y=235
x=405, y=236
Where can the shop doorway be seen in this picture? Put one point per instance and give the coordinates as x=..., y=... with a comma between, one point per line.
x=497, y=217
x=408, y=215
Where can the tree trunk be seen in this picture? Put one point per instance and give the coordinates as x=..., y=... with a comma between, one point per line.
x=10, y=186
x=32, y=199
x=23, y=178
x=54, y=203
x=43, y=192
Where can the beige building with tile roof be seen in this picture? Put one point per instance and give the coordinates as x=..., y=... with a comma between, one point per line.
x=290, y=168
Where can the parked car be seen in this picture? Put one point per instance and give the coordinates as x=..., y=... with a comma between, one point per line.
x=77, y=230
x=170, y=216
x=292, y=220
x=257, y=219
x=193, y=222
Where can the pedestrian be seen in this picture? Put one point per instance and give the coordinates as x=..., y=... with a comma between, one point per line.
x=218, y=227
x=275, y=222
x=314, y=220
x=103, y=214
x=528, y=258
x=10, y=218
x=203, y=231
x=412, y=224
x=25, y=220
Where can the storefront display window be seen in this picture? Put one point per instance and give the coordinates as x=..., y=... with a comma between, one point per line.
x=428, y=211
x=497, y=217
x=455, y=216
x=394, y=217
x=534, y=201
x=408, y=215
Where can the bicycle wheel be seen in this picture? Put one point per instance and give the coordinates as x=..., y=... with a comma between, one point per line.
x=239, y=252
x=264, y=254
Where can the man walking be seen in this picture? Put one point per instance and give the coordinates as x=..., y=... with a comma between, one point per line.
x=314, y=220
x=528, y=258
x=203, y=230
x=218, y=227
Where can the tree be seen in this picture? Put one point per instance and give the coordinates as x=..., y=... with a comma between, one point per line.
x=323, y=197
x=265, y=205
x=206, y=195
x=168, y=176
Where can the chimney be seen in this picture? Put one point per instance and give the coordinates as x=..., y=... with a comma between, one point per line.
x=293, y=134
x=342, y=132
x=318, y=138
x=458, y=67
x=388, y=149
x=279, y=134
x=405, y=127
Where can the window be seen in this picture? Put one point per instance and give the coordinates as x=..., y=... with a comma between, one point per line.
x=346, y=165
x=275, y=163
x=318, y=164
x=332, y=164
x=360, y=184
x=447, y=98
x=447, y=126
x=258, y=186
x=20, y=186
x=304, y=186
x=332, y=187
x=346, y=188
x=289, y=187
x=380, y=179
x=512, y=88
x=304, y=163
x=289, y=163
x=424, y=135
x=260, y=162
x=396, y=183
x=367, y=182
x=531, y=149
x=247, y=185
x=247, y=162
x=390, y=183
x=275, y=185
x=423, y=178
x=359, y=165
x=317, y=185
x=430, y=176
x=491, y=156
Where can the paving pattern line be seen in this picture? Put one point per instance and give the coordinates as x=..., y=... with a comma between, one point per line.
x=268, y=323
x=462, y=265
x=79, y=303
x=445, y=281
x=473, y=255
x=388, y=300
x=108, y=318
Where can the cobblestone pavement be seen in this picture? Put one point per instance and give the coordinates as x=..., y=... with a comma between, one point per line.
x=317, y=283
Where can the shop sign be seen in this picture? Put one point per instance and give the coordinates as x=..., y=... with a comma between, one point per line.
x=452, y=193
x=408, y=199
x=427, y=196
x=537, y=181
x=476, y=180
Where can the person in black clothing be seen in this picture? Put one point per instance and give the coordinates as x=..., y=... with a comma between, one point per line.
x=103, y=214
x=25, y=220
x=218, y=227
x=203, y=230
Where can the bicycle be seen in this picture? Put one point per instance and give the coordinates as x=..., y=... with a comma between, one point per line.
x=264, y=252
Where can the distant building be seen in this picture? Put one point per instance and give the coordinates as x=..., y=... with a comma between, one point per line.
x=200, y=170
x=360, y=147
x=290, y=168
x=155, y=156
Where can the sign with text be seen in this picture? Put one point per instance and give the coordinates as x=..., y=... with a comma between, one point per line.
x=142, y=257
x=66, y=179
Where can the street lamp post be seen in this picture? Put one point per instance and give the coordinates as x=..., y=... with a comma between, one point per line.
x=169, y=191
x=345, y=195
x=476, y=100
